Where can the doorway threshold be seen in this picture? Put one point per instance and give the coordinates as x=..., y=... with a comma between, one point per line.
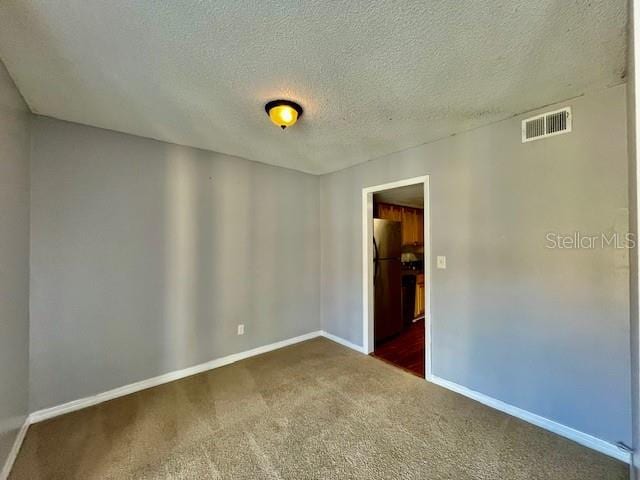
x=405, y=350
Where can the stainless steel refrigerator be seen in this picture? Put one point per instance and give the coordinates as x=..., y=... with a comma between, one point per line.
x=387, y=278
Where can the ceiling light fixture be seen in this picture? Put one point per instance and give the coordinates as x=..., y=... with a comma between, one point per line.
x=283, y=113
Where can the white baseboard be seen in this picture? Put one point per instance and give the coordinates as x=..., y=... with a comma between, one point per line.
x=342, y=341
x=577, y=436
x=47, y=413
x=13, y=453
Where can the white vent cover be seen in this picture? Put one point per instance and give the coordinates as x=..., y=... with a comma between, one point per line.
x=546, y=125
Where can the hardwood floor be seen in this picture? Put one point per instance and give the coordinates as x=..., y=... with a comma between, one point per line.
x=405, y=350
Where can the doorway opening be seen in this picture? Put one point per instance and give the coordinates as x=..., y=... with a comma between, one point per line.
x=397, y=277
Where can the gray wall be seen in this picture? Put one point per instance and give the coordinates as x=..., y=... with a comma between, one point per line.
x=146, y=256
x=544, y=330
x=632, y=125
x=14, y=261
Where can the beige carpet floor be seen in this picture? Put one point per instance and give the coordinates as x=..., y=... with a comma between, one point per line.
x=315, y=410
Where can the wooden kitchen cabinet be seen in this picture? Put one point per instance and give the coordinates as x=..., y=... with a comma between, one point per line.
x=412, y=221
x=412, y=226
x=390, y=212
x=420, y=306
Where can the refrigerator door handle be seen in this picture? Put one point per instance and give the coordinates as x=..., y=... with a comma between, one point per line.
x=375, y=260
x=375, y=250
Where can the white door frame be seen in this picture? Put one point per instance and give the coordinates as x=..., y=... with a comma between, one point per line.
x=367, y=262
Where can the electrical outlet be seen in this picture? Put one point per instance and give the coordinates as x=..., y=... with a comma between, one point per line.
x=241, y=329
x=441, y=262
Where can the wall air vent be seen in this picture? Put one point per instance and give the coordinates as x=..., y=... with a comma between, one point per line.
x=546, y=125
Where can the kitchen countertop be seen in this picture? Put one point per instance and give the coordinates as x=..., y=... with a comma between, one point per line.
x=409, y=271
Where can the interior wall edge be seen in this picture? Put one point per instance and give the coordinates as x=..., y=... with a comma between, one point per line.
x=343, y=342
x=577, y=436
x=15, y=137
x=15, y=449
x=570, y=433
x=74, y=405
x=633, y=107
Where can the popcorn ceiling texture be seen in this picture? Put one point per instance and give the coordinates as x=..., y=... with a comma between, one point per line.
x=373, y=77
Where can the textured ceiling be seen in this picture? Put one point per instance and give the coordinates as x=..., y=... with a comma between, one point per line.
x=374, y=77
x=409, y=196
